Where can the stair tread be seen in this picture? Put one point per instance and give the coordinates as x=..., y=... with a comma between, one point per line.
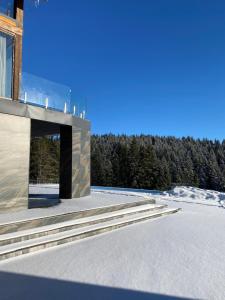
x=118, y=205
x=77, y=231
x=80, y=221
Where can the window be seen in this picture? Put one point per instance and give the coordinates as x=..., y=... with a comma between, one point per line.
x=6, y=65
x=7, y=7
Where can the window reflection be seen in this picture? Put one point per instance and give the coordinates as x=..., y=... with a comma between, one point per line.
x=7, y=8
x=6, y=65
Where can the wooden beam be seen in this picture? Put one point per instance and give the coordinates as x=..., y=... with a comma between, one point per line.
x=17, y=67
x=18, y=50
x=19, y=12
x=10, y=25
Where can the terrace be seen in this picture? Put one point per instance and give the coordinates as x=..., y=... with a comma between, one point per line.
x=50, y=95
x=43, y=93
x=27, y=88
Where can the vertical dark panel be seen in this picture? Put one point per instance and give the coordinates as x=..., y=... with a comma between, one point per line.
x=65, y=187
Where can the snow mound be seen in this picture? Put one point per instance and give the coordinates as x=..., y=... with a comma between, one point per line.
x=178, y=193
x=195, y=193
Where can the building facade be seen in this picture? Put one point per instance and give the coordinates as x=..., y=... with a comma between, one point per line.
x=26, y=111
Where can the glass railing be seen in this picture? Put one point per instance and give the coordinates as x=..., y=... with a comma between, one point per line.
x=7, y=8
x=50, y=95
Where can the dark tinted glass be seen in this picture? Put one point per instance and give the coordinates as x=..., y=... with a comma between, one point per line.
x=7, y=7
x=6, y=65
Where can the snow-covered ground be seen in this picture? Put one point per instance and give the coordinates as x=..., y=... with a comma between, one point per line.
x=179, y=194
x=180, y=255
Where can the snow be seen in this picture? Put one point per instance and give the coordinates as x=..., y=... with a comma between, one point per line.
x=95, y=200
x=180, y=255
x=178, y=194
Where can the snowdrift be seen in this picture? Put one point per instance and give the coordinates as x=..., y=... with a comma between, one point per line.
x=178, y=193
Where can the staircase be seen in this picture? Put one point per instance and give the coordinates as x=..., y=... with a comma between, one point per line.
x=28, y=236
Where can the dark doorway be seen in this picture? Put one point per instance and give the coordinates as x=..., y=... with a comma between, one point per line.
x=50, y=163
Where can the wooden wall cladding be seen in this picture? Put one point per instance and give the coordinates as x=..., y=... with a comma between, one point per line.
x=15, y=27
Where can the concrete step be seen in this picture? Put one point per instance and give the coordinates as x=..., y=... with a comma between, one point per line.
x=15, y=237
x=49, y=220
x=33, y=245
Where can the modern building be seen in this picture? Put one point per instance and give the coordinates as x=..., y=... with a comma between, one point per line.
x=31, y=106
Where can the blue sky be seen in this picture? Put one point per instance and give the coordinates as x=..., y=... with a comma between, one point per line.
x=144, y=66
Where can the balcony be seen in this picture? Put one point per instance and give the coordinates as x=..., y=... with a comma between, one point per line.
x=50, y=95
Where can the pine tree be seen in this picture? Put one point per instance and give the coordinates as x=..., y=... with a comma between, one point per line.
x=133, y=163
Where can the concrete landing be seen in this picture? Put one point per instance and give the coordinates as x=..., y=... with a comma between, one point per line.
x=73, y=220
x=95, y=200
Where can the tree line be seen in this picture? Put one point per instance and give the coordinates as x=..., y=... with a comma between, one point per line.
x=44, y=160
x=143, y=161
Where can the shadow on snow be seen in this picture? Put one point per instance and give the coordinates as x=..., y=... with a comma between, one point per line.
x=24, y=287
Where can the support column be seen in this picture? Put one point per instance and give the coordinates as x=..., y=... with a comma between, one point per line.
x=18, y=49
x=14, y=162
x=85, y=163
x=74, y=162
x=17, y=67
x=76, y=140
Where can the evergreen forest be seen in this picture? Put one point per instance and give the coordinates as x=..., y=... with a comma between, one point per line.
x=143, y=161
